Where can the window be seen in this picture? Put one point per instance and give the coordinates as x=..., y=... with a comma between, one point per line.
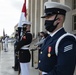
x=74, y=4
x=74, y=22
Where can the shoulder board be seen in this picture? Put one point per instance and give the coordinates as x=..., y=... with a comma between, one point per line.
x=58, y=41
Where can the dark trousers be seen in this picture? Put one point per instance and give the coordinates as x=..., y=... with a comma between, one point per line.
x=16, y=62
x=16, y=59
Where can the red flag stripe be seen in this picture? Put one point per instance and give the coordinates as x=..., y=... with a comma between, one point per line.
x=23, y=15
x=24, y=8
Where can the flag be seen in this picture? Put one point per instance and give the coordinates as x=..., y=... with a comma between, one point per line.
x=3, y=33
x=23, y=15
x=23, y=19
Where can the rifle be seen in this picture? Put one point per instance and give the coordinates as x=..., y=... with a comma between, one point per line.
x=19, y=37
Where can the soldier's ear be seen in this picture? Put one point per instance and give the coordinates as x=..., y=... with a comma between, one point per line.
x=59, y=19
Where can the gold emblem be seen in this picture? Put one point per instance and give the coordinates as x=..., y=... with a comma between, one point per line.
x=49, y=55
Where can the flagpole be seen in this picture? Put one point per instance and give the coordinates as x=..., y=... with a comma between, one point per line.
x=25, y=1
x=25, y=8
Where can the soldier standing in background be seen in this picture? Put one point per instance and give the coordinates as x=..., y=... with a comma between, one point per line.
x=42, y=36
x=16, y=56
x=6, y=43
x=23, y=48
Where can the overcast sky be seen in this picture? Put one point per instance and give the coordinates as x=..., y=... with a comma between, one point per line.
x=10, y=11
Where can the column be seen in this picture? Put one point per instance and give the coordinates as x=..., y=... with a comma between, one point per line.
x=41, y=13
x=38, y=15
x=62, y=1
x=28, y=10
x=30, y=13
x=35, y=18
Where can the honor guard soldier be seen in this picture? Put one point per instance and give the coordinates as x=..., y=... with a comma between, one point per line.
x=23, y=47
x=58, y=52
x=6, y=43
x=16, y=56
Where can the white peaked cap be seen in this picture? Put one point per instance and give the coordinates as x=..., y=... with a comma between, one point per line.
x=50, y=4
x=27, y=22
x=55, y=8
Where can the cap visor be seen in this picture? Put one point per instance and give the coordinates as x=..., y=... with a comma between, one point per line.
x=46, y=15
x=43, y=16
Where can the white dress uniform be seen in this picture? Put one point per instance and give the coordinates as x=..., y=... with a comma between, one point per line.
x=3, y=43
x=25, y=68
x=6, y=44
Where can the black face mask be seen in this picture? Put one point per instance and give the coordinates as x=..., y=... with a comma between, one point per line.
x=49, y=25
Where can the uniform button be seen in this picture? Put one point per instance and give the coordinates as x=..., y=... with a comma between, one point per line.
x=40, y=52
x=39, y=61
x=58, y=11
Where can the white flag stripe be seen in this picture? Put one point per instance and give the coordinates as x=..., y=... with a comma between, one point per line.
x=22, y=19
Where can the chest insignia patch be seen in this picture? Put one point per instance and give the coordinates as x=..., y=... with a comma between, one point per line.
x=68, y=48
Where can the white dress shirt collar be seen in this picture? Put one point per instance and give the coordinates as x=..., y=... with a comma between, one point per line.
x=52, y=34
